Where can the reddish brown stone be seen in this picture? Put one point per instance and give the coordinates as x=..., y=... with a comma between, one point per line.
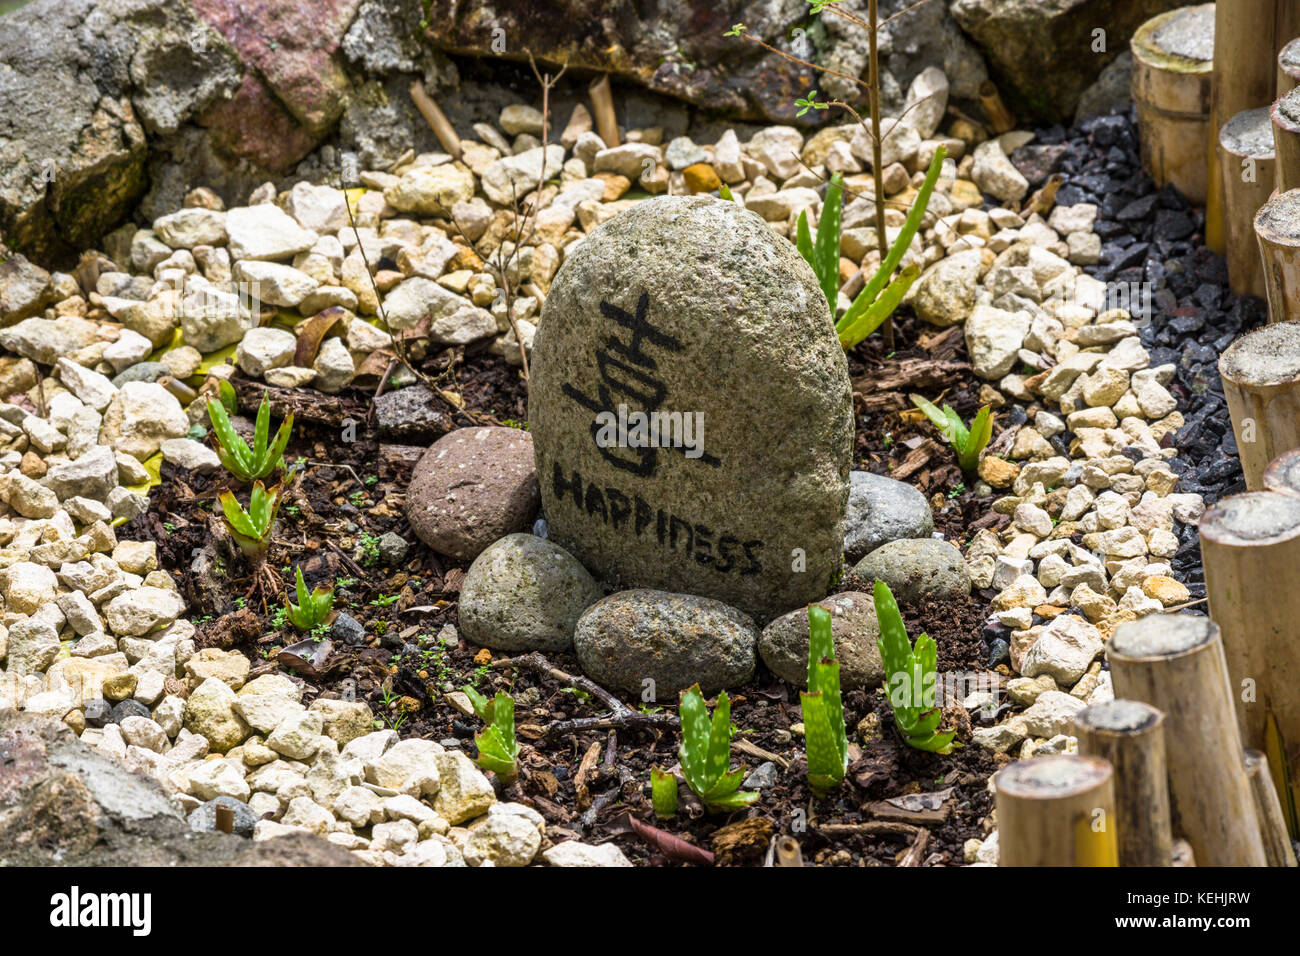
x=472, y=487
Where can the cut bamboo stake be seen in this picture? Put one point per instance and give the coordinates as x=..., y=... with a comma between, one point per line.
x=436, y=119
x=1247, y=174
x=1277, y=228
x=788, y=852
x=1261, y=382
x=995, y=110
x=602, y=108
x=1286, y=26
x=1130, y=736
x=1283, y=473
x=1285, y=115
x=1288, y=68
x=1175, y=663
x=1244, y=78
x=1056, y=811
x=1250, y=547
x=1172, y=68
x=1277, y=841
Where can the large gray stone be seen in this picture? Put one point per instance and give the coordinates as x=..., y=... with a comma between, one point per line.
x=694, y=307
x=915, y=569
x=783, y=645
x=882, y=510
x=524, y=594
x=672, y=640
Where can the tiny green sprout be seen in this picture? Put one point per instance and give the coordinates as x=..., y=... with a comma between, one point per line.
x=705, y=752
x=823, y=712
x=663, y=793
x=312, y=607
x=249, y=464
x=968, y=443
x=498, y=750
x=251, y=529
x=810, y=103
x=911, y=676
x=736, y=30
x=724, y=191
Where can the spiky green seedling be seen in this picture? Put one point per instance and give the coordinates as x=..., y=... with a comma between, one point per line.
x=249, y=464
x=910, y=678
x=251, y=528
x=823, y=713
x=968, y=443
x=498, y=750
x=706, y=753
x=312, y=608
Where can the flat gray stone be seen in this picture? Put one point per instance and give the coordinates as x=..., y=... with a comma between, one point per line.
x=672, y=640
x=882, y=510
x=692, y=307
x=915, y=569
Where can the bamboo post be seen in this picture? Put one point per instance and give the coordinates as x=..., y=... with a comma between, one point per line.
x=602, y=108
x=1130, y=736
x=1286, y=26
x=1056, y=811
x=1277, y=841
x=1283, y=473
x=1277, y=229
x=1175, y=663
x=1243, y=79
x=1246, y=168
x=437, y=120
x=1285, y=115
x=1250, y=547
x=1288, y=68
x=1172, y=64
x=1261, y=382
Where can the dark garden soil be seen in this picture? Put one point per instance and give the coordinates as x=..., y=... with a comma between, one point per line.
x=899, y=806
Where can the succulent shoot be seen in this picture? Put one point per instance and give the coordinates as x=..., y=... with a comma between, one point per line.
x=663, y=793
x=249, y=464
x=312, y=608
x=498, y=750
x=910, y=678
x=251, y=529
x=823, y=712
x=968, y=443
x=706, y=753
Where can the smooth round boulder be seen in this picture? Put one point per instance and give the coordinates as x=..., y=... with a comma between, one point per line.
x=690, y=408
x=524, y=593
x=916, y=568
x=783, y=645
x=882, y=510
x=672, y=640
x=472, y=487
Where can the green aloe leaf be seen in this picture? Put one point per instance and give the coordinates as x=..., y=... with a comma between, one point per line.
x=260, y=432
x=478, y=702
x=826, y=253
x=694, y=750
x=803, y=241
x=719, y=740
x=981, y=430
x=231, y=449
x=236, y=516
x=663, y=793
x=854, y=327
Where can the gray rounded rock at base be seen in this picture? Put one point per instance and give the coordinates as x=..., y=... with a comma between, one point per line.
x=882, y=510
x=916, y=568
x=523, y=593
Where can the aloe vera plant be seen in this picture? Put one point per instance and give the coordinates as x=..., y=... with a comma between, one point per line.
x=663, y=793
x=312, y=608
x=706, y=753
x=251, y=528
x=826, y=740
x=498, y=750
x=968, y=443
x=249, y=464
x=911, y=675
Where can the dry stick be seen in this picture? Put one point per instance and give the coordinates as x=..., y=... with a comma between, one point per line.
x=436, y=119
x=1000, y=118
x=1056, y=811
x=602, y=107
x=1285, y=114
x=1277, y=229
x=1130, y=736
x=1172, y=94
x=1277, y=841
x=621, y=714
x=1246, y=171
x=1288, y=68
x=1175, y=663
x=1261, y=382
x=1250, y=544
x=1243, y=79
x=877, y=174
